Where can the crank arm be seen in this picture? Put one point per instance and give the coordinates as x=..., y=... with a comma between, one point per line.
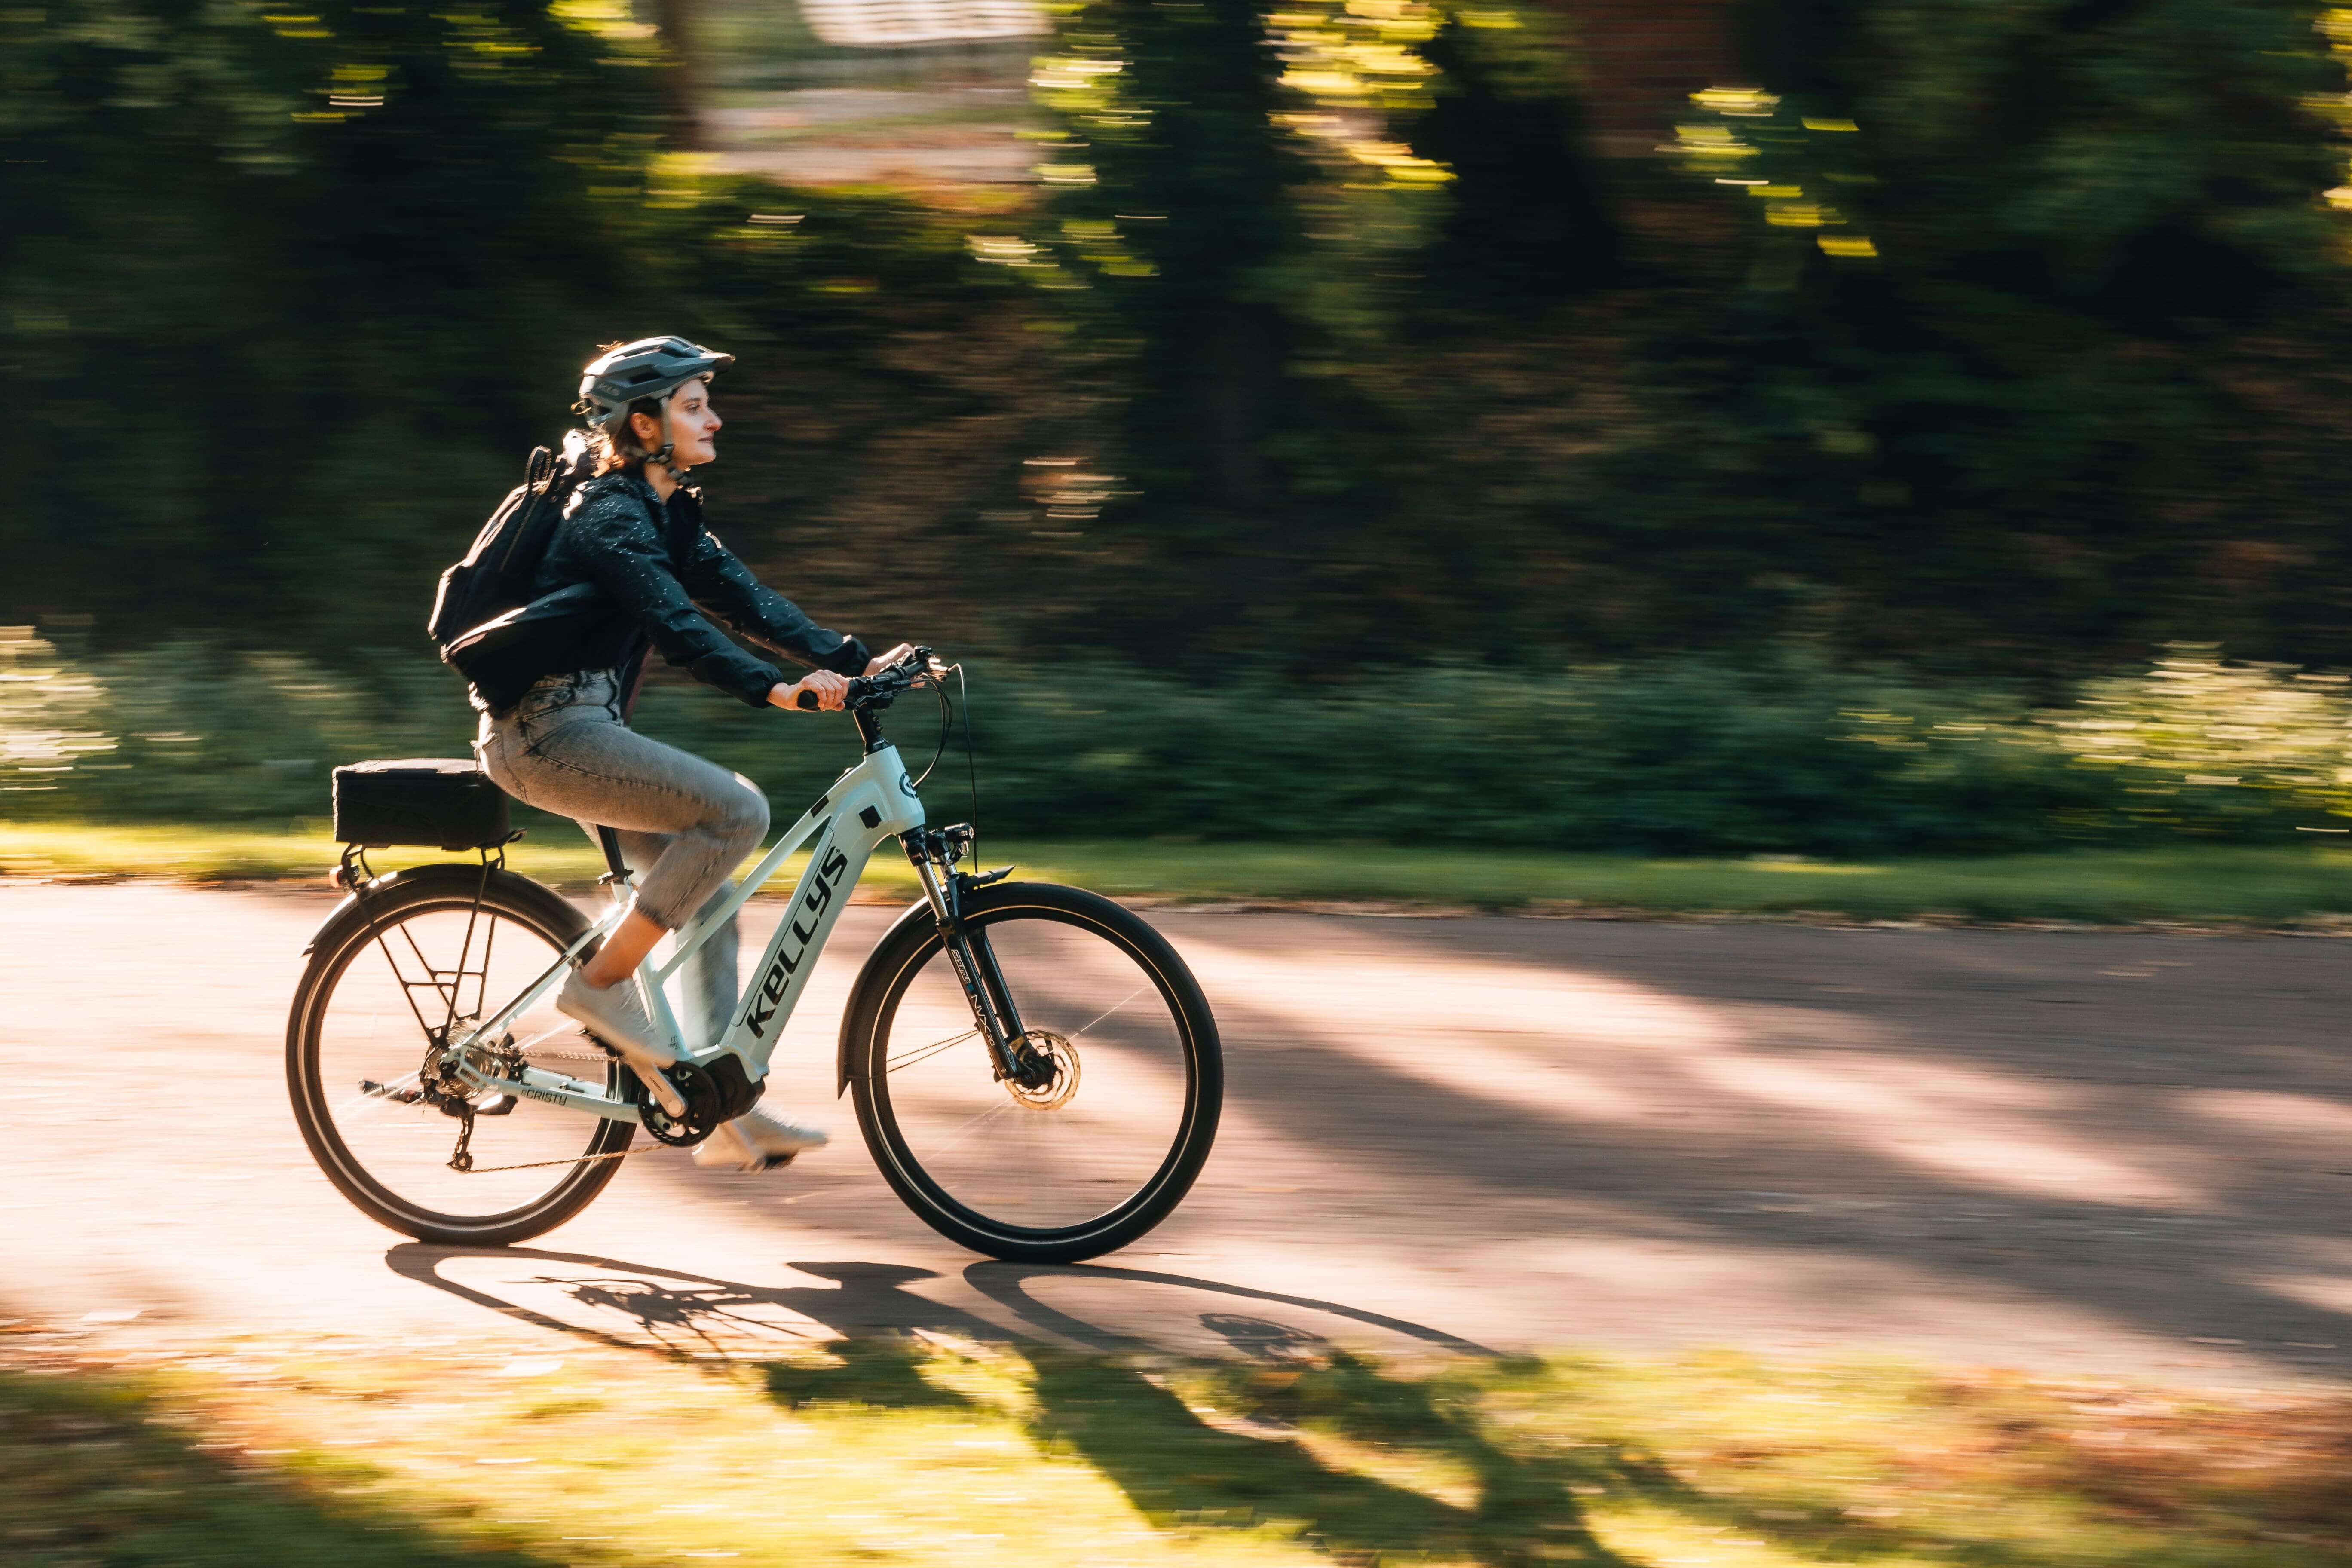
x=665, y=1093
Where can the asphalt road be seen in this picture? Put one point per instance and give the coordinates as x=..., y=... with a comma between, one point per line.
x=2087, y=1151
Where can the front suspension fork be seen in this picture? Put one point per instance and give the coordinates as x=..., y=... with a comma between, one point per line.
x=968, y=949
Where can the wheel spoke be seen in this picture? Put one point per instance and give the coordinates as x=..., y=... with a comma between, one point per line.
x=921, y=1053
x=1112, y=1008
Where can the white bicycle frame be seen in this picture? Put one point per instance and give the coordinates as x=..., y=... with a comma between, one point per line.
x=872, y=802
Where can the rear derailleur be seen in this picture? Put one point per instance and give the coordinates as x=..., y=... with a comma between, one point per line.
x=438, y=1085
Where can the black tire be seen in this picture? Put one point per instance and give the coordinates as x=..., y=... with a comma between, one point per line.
x=373, y=922
x=1084, y=927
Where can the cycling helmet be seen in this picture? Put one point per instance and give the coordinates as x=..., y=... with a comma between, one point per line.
x=650, y=367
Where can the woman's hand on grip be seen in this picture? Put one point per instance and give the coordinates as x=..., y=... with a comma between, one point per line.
x=828, y=688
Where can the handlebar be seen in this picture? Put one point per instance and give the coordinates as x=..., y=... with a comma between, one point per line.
x=883, y=687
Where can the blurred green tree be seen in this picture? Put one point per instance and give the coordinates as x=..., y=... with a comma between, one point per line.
x=1173, y=197
x=1527, y=220
x=2013, y=340
x=2030, y=277
x=279, y=277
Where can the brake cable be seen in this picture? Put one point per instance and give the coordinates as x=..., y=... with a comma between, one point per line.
x=971, y=767
x=970, y=761
x=946, y=718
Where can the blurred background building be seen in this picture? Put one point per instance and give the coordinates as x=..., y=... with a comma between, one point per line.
x=850, y=91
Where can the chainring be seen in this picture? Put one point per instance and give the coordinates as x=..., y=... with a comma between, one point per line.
x=706, y=1107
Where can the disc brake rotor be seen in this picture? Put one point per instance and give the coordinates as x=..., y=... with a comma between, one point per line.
x=1052, y=1075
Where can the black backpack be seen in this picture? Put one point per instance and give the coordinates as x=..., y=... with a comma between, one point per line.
x=478, y=612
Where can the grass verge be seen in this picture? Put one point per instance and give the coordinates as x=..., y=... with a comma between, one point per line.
x=2294, y=884
x=431, y=1452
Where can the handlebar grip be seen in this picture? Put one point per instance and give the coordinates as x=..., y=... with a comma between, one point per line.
x=806, y=700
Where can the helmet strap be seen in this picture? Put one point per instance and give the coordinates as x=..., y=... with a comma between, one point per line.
x=668, y=446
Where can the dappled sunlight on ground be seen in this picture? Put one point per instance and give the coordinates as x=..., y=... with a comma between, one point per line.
x=283, y=1453
x=1583, y=1047
x=2095, y=1151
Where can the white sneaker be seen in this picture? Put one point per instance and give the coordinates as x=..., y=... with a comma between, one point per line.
x=757, y=1141
x=615, y=1017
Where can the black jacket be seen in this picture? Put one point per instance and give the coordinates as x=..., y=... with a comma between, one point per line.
x=625, y=573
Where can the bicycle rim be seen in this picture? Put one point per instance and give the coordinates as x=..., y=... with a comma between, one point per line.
x=1071, y=1168
x=362, y=1035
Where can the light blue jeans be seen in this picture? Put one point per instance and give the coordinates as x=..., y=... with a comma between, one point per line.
x=684, y=824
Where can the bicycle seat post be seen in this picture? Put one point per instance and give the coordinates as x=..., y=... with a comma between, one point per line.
x=616, y=876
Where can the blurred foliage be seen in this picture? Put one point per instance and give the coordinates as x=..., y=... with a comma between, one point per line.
x=1993, y=340
x=1695, y=755
x=278, y=283
x=2208, y=746
x=2009, y=342
x=2042, y=315
x=1528, y=223
x=290, y=296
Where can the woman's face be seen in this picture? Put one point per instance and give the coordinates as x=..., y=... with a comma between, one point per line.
x=693, y=426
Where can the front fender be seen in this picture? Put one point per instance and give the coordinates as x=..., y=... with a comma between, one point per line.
x=865, y=992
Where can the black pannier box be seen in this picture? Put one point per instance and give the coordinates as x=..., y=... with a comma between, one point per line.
x=448, y=804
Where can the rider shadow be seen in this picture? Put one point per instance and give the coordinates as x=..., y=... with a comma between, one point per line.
x=1007, y=1284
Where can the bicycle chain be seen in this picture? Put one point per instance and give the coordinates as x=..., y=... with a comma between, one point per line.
x=580, y=1160
x=535, y=1056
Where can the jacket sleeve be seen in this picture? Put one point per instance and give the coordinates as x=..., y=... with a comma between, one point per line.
x=622, y=552
x=725, y=586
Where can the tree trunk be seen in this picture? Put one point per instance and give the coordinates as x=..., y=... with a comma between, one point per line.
x=683, y=80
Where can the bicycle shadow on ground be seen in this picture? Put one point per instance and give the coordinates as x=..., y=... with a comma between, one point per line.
x=639, y=1306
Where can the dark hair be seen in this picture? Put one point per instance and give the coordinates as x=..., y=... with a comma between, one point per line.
x=616, y=445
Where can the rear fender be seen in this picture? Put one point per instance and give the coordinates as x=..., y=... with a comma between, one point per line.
x=360, y=906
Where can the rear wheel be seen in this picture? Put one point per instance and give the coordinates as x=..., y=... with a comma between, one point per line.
x=418, y=960
x=1103, y=1132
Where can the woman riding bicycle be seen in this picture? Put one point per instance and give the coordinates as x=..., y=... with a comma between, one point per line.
x=634, y=532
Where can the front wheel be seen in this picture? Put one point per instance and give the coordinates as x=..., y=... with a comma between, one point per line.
x=1100, y=1138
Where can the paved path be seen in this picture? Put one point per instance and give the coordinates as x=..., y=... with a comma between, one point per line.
x=2090, y=1152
